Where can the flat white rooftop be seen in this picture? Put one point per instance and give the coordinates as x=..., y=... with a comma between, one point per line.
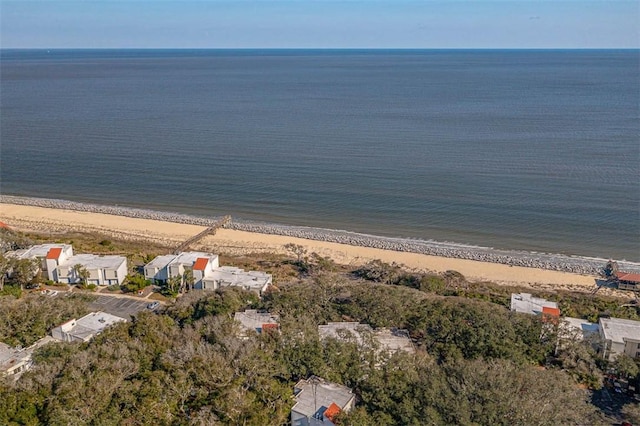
x=229, y=276
x=527, y=304
x=314, y=395
x=91, y=261
x=190, y=257
x=89, y=325
x=40, y=250
x=161, y=261
x=618, y=330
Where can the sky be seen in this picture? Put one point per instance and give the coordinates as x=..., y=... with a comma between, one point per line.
x=319, y=24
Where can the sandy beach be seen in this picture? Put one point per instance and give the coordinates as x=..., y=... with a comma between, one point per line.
x=233, y=242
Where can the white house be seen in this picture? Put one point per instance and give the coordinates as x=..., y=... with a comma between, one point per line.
x=103, y=270
x=319, y=401
x=15, y=361
x=168, y=266
x=527, y=304
x=620, y=336
x=85, y=328
x=50, y=257
x=207, y=273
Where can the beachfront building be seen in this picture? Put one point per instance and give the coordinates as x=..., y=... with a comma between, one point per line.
x=168, y=266
x=103, y=270
x=628, y=281
x=253, y=321
x=85, y=328
x=50, y=256
x=388, y=339
x=319, y=401
x=527, y=304
x=15, y=361
x=207, y=273
x=619, y=336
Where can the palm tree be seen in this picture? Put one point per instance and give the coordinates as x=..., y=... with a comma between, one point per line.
x=82, y=273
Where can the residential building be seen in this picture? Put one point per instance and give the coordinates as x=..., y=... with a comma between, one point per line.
x=527, y=304
x=319, y=401
x=572, y=330
x=252, y=320
x=157, y=270
x=50, y=256
x=15, y=361
x=620, y=336
x=164, y=267
x=389, y=339
x=628, y=281
x=85, y=328
x=207, y=273
x=230, y=276
x=103, y=270
x=578, y=329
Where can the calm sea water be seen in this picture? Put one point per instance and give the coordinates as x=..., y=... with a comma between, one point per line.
x=530, y=150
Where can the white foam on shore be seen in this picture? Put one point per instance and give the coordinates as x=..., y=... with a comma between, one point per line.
x=550, y=261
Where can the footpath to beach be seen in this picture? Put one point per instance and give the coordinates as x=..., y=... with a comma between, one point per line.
x=476, y=263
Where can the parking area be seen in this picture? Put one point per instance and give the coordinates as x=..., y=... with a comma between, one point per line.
x=122, y=307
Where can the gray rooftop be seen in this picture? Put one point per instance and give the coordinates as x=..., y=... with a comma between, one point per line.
x=394, y=339
x=91, y=261
x=345, y=331
x=253, y=320
x=314, y=395
x=90, y=325
x=527, y=304
x=229, y=276
x=11, y=356
x=391, y=339
x=577, y=328
x=618, y=330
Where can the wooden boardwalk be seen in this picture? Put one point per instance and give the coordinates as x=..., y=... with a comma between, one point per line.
x=209, y=231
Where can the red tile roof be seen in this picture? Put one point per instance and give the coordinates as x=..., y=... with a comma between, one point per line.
x=554, y=312
x=269, y=326
x=622, y=276
x=332, y=411
x=201, y=264
x=54, y=253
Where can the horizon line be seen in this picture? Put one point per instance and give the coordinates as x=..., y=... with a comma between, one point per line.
x=319, y=48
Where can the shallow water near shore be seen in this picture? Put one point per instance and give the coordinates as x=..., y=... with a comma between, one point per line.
x=517, y=150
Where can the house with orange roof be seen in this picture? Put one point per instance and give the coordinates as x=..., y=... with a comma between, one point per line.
x=628, y=281
x=50, y=256
x=319, y=401
x=207, y=273
x=527, y=304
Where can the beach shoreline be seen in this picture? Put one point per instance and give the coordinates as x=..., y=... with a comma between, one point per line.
x=234, y=241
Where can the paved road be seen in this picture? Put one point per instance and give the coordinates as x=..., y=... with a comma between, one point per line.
x=122, y=307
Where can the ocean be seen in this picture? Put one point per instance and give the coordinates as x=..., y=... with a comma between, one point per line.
x=535, y=150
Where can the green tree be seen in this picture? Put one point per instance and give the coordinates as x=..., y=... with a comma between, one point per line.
x=82, y=273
